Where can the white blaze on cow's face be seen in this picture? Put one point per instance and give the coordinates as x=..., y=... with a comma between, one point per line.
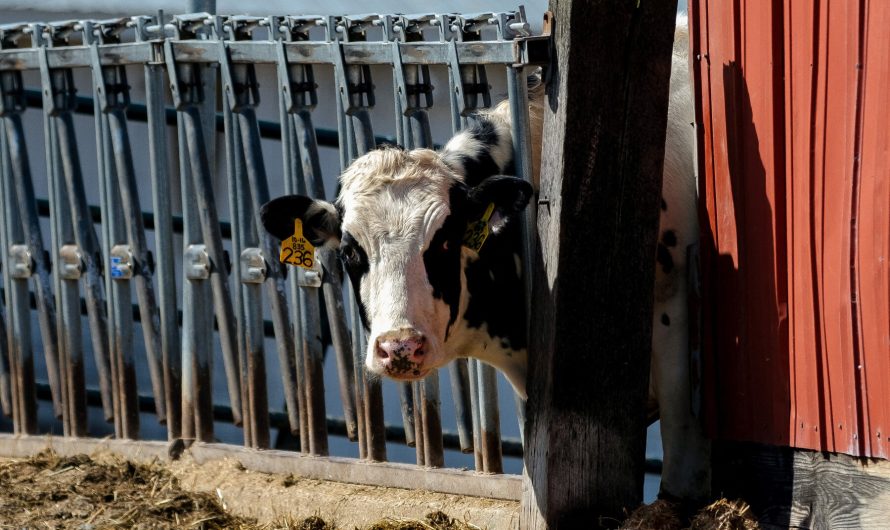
x=401, y=247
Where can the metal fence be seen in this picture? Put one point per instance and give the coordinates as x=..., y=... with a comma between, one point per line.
x=96, y=260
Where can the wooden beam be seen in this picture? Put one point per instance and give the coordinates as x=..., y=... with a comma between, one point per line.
x=798, y=488
x=604, y=130
x=348, y=470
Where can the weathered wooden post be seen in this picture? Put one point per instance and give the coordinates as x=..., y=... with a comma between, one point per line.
x=604, y=125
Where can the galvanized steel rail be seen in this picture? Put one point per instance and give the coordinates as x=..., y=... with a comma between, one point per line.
x=191, y=50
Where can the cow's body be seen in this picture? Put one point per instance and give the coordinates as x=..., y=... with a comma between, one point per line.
x=426, y=298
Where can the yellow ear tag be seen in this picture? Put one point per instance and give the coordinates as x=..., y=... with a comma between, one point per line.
x=477, y=232
x=297, y=250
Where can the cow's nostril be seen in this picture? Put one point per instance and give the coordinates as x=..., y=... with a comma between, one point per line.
x=400, y=347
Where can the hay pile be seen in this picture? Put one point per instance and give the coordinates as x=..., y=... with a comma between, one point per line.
x=105, y=491
x=666, y=515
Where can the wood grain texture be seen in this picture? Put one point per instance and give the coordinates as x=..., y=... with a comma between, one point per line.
x=795, y=488
x=605, y=118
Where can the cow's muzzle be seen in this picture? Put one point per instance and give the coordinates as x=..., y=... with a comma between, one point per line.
x=400, y=353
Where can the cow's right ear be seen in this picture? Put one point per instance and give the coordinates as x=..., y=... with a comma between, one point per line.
x=321, y=222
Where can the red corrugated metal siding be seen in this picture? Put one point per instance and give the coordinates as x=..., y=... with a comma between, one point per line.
x=795, y=194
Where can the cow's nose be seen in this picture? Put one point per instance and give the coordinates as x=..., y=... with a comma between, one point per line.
x=396, y=347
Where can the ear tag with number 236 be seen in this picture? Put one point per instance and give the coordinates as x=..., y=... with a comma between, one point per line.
x=297, y=250
x=477, y=232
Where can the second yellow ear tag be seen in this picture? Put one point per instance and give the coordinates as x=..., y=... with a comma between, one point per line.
x=477, y=232
x=297, y=250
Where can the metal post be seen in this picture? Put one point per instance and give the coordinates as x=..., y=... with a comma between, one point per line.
x=129, y=261
x=17, y=266
x=197, y=322
x=247, y=296
x=163, y=227
x=242, y=90
x=22, y=190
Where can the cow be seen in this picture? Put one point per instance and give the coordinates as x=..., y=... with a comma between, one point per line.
x=430, y=242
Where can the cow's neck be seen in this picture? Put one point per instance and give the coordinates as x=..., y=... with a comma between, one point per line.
x=492, y=325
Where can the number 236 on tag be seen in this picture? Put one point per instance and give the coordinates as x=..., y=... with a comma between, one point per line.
x=297, y=250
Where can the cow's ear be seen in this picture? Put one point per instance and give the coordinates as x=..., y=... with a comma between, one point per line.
x=321, y=222
x=508, y=195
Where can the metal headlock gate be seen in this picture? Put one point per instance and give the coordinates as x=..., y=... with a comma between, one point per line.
x=104, y=258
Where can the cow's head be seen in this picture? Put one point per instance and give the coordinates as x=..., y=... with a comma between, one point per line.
x=398, y=225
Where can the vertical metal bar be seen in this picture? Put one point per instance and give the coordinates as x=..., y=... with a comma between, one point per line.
x=202, y=193
x=108, y=362
x=51, y=353
x=420, y=445
x=22, y=190
x=5, y=373
x=298, y=99
x=163, y=231
x=121, y=332
x=489, y=420
x=120, y=329
x=434, y=455
x=517, y=90
x=135, y=237
x=129, y=256
x=74, y=391
x=473, y=365
x=196, y=328
x=24, y=398
x=239, y=85
x=246, y=332
x=313, y=382
x=191, y=86
x=7, y=402
x=86, y=239
x=458, y=374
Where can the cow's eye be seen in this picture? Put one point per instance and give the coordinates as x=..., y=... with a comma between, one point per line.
x=348, y=254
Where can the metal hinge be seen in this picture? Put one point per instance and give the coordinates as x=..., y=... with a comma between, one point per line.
x=196, y=262
x=21, y=263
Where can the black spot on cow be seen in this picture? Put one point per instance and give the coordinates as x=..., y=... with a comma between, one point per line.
x=442, y=257
x=664, y=205
x=485, y=132
x=355, y=261
x=669, y=238
x=479, y=166
x=665, y=319
x=664, y=258
x=496, y=290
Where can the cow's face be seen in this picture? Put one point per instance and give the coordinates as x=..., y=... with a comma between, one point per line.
x=399, y=225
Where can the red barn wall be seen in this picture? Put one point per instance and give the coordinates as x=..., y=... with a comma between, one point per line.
x=794, y=180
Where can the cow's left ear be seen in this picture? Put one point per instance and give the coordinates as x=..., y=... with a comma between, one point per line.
x=508, y=195
x=321, y=222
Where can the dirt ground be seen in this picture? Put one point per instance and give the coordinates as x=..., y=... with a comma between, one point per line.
x=106, y=491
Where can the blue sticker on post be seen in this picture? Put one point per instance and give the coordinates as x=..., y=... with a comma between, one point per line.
x=117, y=271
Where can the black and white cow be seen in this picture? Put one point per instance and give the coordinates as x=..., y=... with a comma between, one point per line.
x=426, y=298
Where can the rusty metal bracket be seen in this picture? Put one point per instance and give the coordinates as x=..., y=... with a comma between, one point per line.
x=536, y=50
